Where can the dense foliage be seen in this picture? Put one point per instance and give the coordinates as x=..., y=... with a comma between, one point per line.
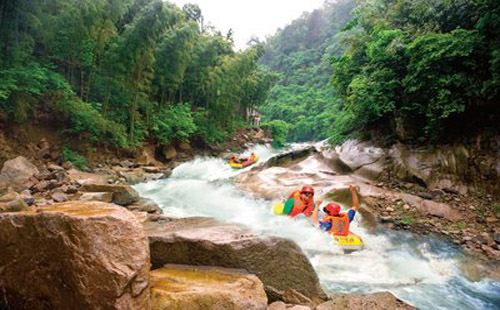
x=125, y=71
x=420, y=70
x=416, y=70
x=301, y=53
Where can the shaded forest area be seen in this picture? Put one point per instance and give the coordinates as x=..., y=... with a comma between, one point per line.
x=420, y=71
x=125, y=72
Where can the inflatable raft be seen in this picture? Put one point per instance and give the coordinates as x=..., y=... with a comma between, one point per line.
x=349, y=243
x=244, y=164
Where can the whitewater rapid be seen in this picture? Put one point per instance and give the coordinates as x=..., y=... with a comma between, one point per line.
x=420, y=270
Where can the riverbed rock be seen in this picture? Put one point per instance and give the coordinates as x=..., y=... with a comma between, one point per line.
x=175, y=287
x=145, y=205
x=277, y=305
x=97, y=196
x=122, y=194
x=204, y=241
x=17, y=173
x=82, y=178
x=377, y=301
x=74, y=255
x=12, y=202
x=356, y=154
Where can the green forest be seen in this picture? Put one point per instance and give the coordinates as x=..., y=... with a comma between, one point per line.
x=420, y=71
x=125, y=72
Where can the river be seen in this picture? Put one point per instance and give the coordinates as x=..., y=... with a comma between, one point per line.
x=423, y=271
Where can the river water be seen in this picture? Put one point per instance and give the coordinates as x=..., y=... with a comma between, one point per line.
x=422, y=271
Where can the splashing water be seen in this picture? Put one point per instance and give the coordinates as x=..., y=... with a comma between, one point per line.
x=422, y=271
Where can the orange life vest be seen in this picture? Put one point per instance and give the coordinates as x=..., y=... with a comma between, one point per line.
x=306, y=208
x=340, y=224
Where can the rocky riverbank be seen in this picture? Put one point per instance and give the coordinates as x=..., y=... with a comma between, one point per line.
x=392, y=195
x=74, y=231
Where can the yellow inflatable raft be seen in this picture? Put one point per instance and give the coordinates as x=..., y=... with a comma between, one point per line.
x=351, y=242
x=243, y=164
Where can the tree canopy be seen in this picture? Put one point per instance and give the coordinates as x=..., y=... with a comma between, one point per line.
x=124, y=72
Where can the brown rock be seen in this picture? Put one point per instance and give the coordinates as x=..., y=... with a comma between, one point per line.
x=277, y=305
x=184, y=146
x=122, y=194
x=97, y=196
x=291, y=296
x=377, y=301
x=299, y=307
x=231, y=246
x=59, y=196
x=75, y=255
x=12, y=202
x=145, y=205
x=177, y=287
x=16, y=172
x=170, y=152
x=54, y=167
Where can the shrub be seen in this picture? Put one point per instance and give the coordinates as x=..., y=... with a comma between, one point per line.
x=73, y=157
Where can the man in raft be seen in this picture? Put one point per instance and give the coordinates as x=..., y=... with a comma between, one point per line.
x=334, y=221
x=303, y=202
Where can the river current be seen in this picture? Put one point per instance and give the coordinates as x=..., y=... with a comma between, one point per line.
x=423, y=271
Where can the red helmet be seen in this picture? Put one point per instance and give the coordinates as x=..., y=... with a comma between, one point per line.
x=307, y=189
x=332, y=208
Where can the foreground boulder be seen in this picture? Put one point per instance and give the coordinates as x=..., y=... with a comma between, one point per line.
x=75, y=255
x=378, y=301
x=279, y=263
x=205, y=288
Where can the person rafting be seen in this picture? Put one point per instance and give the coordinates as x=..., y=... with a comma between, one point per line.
x=301, y=202
x=234, y=159
x=334, y=221
x=253, y=157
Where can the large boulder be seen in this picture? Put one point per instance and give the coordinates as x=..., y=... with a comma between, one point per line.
x=377, y=301
x=177, y=287
x=17, y=173
x=74, y=255
x=122, y=194
x=279, y=263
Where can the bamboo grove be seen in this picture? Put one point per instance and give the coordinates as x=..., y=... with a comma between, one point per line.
x=125, y=71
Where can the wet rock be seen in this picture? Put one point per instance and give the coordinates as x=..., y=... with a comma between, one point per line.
x=377, y=301
x=145, y=205
x=216, y=244
x=16, y=173
x=357, y=154
x=122, y=194
x=175, y=287
x=97, y=196
x=78, y=255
